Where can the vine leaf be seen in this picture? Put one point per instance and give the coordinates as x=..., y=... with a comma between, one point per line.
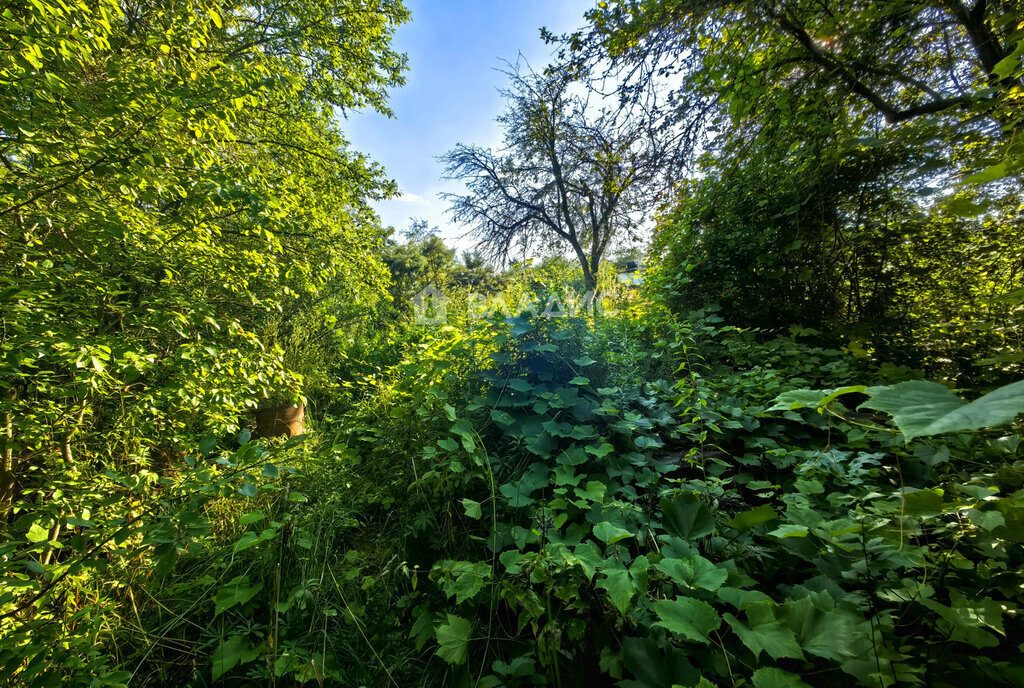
x=472, y=508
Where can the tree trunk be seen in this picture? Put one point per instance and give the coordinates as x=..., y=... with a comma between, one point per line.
x=6, y=466
x=7, y=479
x=589, y=277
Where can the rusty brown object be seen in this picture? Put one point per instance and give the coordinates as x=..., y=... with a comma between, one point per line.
x=281, y=420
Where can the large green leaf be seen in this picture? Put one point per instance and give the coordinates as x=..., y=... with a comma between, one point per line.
x=685, y=516
x=231, y=652
x=656, y=665
x=693, y=572
x=520, y=385
x=810, y=398
x=247, y=540
x=37, y=533
x=749, y=519
x=798, y=399
x=453, y=638
x=989, y=174
x=472, y=508
x=690, y=618
x=770, y=677
x=968, y=618
x=606, y=532
x=818, y=623
x=588, y=557
x=764, y=633
x=920, y=408
x=237, y=591
x=741, y=599
x=619, y=583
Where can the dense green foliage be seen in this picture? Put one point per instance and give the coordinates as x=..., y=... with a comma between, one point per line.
x=567, y=521
x=809, y=208
x=177, y=209
x=844, y=233
x=791, y=458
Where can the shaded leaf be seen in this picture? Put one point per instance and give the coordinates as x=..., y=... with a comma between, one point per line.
x=231, y=652
x=453, y=639
x=685, y=516
x=695, y=572
x=755, y=517
x=765, y=633
x=770, y=677
x=687, y=617
x=619, y=583
x=920, y=408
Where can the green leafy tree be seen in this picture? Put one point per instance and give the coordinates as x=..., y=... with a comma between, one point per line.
x=173, y=181
x=829, y=190
x=174, y=189
x=949, y=63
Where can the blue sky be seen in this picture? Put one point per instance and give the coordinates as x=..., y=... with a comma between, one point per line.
x=455, y=49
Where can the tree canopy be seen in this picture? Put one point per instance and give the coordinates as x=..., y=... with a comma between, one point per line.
x=952, y=63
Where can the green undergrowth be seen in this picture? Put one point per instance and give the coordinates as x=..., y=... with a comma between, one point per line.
x=634, y=501
x=623, y=502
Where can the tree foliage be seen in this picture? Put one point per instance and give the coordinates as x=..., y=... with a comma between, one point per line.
x=830, y=195
x=174, y=194
x=173, y=183
x=951, y=63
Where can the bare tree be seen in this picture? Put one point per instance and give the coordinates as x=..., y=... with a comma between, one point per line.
x=573, y=172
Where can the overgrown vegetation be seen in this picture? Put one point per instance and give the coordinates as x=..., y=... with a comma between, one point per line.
x=788, y=456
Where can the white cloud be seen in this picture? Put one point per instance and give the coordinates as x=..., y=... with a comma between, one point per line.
x=409, y=198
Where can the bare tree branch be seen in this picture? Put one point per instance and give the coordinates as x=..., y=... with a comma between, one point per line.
x=575, y=170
